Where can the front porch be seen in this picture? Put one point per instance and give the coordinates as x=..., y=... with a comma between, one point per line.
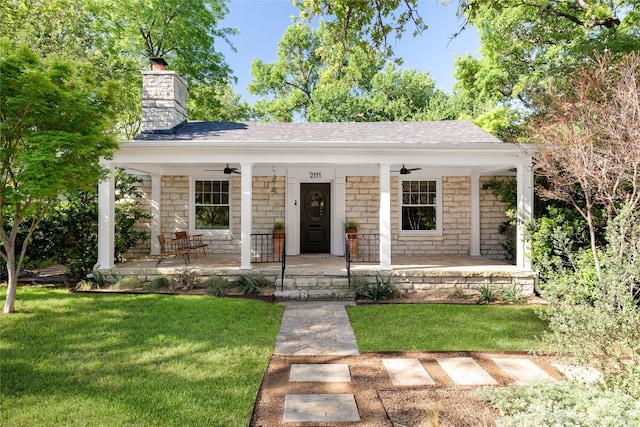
x=324, y=276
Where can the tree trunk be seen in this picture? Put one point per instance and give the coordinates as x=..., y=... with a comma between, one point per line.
x=594, y=246
x=12, y=280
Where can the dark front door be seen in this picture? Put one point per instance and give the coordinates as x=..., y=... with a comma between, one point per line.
x=315, y=218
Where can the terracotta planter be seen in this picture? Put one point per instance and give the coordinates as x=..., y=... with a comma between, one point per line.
x=352, y=238
x=278, y=242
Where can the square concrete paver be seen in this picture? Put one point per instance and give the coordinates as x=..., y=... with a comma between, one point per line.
x=522, y=371
x=320, y=408
x=320, y=372
x=583, y=374
x=407, y=372
x=466, y=371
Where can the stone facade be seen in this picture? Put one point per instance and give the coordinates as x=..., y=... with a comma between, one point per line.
x=361, y=205
x=143, y=248
x=268, y=202
x=491, y=218
x=361, y=202
x=164, y=101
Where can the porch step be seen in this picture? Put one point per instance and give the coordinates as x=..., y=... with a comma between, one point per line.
x=302, y=286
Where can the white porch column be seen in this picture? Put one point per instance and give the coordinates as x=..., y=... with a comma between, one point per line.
x=106, y=222
x=339, y=215
x=474, y=237
x=525, y=213
x=156, y=194
x=246, y=206
x=385, y=216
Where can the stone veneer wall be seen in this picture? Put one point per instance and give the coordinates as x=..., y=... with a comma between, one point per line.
x=455, y=222
x=362, y=205
x=362, y=202
x=268, y=205
x=492, y=215
x=142, y=248
x=175, y=214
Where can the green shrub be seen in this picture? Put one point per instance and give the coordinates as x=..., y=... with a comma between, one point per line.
x=218, y=286
x=557, y=240
x=596, y=320
x=512, y=295
x=382, y=289
x=486, y=294
x=562, y=404
x=68, y=234
x=252, y=284
x=100, y=279
x=158, y=283
x=127, y=282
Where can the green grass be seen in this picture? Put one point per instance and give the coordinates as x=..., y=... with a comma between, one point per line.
x=146, y=360
x=445, y=327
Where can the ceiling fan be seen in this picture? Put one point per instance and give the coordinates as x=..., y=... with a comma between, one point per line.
x=405, y=171
x=227, y=170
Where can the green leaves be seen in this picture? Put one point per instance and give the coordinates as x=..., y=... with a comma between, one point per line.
x=527, y=43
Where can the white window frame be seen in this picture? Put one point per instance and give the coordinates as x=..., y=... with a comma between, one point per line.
x=438, y=229
x=192, y=205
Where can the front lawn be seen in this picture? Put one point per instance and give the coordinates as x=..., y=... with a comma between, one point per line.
x=445, y=327
x=145, y=360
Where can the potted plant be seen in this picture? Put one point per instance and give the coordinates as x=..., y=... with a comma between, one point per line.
x=350, y=229
x=278, y=238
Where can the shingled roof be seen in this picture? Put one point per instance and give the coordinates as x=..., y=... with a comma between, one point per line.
x=441, y=132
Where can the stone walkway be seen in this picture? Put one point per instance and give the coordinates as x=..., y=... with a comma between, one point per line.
x=316, y=328
x=322, y=328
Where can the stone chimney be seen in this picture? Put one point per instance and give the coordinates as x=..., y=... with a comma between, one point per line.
x=164, y=101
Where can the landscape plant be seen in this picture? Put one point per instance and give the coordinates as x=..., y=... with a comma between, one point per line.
x=186, y=279
x=218, y=286
x=486, y=294
x=512, y=295
x=251, y=284
x=54, y=119
x=161, y=282
x=68, y=233
x=381, y=289
x=597, y=323
x=565, y=403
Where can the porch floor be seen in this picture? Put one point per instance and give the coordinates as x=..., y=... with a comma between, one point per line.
x=310, y=264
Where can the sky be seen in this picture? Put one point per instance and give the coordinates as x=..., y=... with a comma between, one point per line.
x=262, y=22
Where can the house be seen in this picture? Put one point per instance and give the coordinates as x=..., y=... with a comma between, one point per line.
x=417, y=186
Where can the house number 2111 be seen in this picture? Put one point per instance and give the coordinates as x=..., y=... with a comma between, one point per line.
x=315, y=175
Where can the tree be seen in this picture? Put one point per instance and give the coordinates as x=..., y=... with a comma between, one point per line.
x=306, y=83
x=588, y=138
x=364, y=24
x=528, y=43
x=291, y=79
x=184, y=33
x=53, y=133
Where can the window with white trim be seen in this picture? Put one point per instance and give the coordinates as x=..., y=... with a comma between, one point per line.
x=211, y=204
x=419, y=206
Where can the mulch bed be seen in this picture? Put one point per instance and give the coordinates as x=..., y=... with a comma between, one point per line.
x=380, y=403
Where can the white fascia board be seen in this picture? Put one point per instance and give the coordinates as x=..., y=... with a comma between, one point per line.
x=193, y=153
